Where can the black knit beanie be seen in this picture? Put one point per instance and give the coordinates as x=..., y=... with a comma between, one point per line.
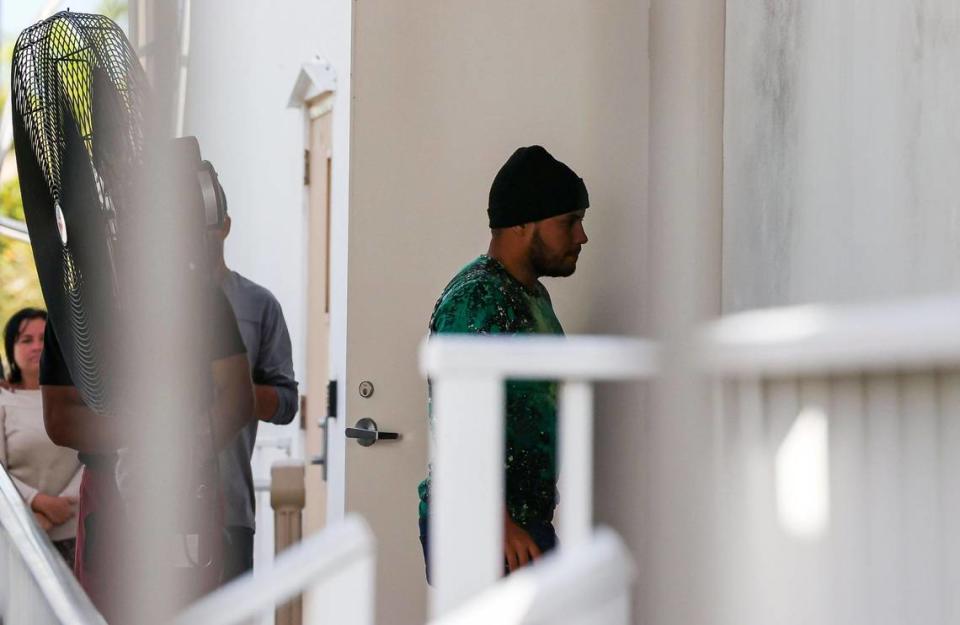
x=532, y=185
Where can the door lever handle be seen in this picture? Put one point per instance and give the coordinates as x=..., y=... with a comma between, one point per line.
x=366, y=433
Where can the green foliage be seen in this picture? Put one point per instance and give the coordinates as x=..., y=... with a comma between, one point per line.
x=114, y=9
x=6, y=54
x=11, y=204
x=19, y=284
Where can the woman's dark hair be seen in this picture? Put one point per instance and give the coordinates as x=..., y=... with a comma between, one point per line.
x=10, y=334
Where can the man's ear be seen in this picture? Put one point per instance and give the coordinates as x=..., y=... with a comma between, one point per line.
x=227, y=222
x=524, y=231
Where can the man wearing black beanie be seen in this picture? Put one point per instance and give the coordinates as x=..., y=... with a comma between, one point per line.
x=536, y=211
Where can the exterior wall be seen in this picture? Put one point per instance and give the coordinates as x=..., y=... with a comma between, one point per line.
x=841, y=160
x=841, y=151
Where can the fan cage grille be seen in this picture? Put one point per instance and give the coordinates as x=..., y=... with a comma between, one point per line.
x=54, y=65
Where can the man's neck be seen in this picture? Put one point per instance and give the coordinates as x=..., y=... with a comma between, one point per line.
x=516, y=266
x=220, y=272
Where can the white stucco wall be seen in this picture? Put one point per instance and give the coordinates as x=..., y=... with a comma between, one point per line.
x=842, y=147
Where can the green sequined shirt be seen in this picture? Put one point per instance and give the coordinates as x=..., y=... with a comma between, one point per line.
x=483, y=298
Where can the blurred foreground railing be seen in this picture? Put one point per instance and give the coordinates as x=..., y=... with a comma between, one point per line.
x=836, y=485
x=467, y=376
x=333, y=568
x=838, y=464
x=587, y=584
x=836, y=457
x=36, y=587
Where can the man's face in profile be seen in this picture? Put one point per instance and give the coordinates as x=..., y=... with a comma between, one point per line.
x=555, y=244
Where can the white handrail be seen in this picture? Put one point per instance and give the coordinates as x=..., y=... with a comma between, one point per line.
x=918, y=333
x=536, y=356
x=906, y=334
x=467, y=374
x=64, y=598
x=340, y=558
x=585, y=584
x=14, y=229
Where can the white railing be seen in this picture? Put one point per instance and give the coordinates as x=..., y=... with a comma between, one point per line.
x=587, y=584
x=13, y=228
x=334, y=568
x=837, y=457
x=467, y=376
x=812, y=340
x=36, y=587
x=838, y=463
x=837, y=484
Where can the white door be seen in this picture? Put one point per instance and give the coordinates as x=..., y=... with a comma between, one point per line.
x=388, y=308
x=395, y=272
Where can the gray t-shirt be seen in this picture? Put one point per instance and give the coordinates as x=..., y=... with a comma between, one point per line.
x=265, y=336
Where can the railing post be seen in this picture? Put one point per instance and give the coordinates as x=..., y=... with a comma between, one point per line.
x=466, y=521
x=287, y=498
x=347, y=599
x=576, y=463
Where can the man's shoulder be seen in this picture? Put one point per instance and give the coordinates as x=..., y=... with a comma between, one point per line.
x=478, y=299
x=478, y=281
x=250, y=292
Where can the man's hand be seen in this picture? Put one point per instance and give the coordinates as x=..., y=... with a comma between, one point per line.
x=518, y=547
x=267, y=401
x=43, y=521
x=57, y=509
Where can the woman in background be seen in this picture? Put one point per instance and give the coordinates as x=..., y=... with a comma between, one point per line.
x=47, y=476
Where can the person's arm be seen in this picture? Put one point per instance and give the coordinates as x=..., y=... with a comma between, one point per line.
x=519, y=548
x=71, y=423
x=58, y=510
x=267, y=402
x=233, y=403
x=26, y=491
x=276, y=388
x=44, y=523
x=72, y=489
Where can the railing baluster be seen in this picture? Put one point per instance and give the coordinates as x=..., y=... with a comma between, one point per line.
x=576, y=462
x=847, y=453
x=948, y=570
x=466, y=520
x=884, y=466
x=921, y=538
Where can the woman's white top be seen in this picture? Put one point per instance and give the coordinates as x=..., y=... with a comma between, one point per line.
x=33, y=461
